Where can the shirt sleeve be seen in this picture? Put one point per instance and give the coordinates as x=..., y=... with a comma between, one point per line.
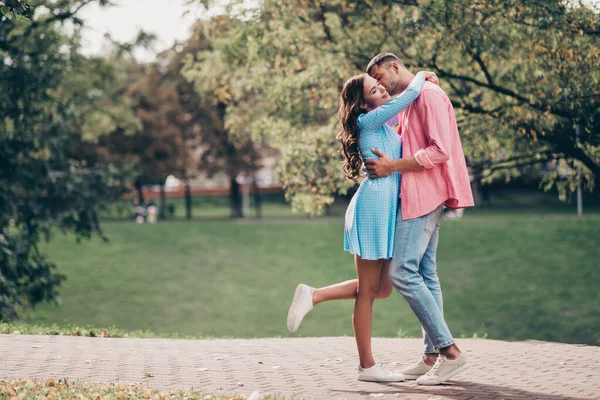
x=376, y=118
x=438, y=130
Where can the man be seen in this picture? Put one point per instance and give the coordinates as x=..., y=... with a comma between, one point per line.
x=434, y=175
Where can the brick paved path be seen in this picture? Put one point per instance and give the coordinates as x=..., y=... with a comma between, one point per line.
x=304, y=368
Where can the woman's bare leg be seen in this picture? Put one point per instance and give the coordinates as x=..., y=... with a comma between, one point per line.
x=385, y=288
x=339, y=291
x=368, y=272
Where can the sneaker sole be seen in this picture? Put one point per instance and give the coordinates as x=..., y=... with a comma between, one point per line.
x=292, y=323
x=446, y=378
x=412, y=377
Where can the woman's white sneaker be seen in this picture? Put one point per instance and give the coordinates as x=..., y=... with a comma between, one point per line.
x=301, y=305
x=416, y=370
x=443, y=370
x=378, y=373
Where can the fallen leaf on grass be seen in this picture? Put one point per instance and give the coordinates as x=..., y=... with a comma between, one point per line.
x=254, y=396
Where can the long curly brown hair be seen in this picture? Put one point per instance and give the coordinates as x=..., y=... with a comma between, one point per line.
x=352, y=101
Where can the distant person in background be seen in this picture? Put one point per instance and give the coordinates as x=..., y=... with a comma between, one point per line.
x=139, y=211
x=151, y=211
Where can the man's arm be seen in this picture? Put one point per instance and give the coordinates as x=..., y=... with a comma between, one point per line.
x=439, y=142
x=384, y=166
x=438, y=130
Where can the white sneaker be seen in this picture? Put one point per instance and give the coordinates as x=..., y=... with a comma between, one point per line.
x=416, y=370
x=301, y=305
x=443, y=370
x=378, y=373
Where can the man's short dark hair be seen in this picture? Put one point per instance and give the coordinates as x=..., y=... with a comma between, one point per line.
x=383, y=58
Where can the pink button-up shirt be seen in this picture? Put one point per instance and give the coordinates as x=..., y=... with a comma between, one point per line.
x=429, y=132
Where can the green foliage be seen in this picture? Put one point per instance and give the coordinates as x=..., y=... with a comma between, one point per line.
x=41, y=187
x=521, y=74
x=17, y=9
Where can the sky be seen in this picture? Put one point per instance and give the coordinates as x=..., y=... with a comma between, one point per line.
x=166, y=19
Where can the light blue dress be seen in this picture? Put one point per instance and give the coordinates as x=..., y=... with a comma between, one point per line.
x=371, y=216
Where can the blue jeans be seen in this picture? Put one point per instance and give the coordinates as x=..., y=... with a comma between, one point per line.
x=413, y=273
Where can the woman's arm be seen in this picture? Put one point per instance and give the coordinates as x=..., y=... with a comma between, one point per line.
x=378, y=117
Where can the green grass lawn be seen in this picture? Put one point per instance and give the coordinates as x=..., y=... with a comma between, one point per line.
x=511, y=276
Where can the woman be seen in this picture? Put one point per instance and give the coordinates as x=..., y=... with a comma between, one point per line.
x=365, y=107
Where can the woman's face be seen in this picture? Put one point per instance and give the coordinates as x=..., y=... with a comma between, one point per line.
x=375, y=94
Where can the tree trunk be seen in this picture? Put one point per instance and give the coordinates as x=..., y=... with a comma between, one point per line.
x=486, y=195
x=257, y=199
x=162, y=209
x=140, y=191
x=235, y=198
x=188, y=199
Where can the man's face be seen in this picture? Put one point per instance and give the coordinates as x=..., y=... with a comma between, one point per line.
x=386, y=76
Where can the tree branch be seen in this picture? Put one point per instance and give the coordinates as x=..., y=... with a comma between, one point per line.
x=527, y=163
x=505, y=91
x=521, y=158
x=481, y=64
x=55, y=17
x=321, y=18
x=566, y=145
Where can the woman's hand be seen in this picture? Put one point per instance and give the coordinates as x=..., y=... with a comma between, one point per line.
x=431, y=77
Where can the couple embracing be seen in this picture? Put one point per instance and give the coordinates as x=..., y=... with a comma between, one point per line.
x=392, y=222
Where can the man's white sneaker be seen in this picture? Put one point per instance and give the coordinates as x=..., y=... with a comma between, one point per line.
x=443, y=370
x=416, y=370
x=301, y=305
x=378, y=373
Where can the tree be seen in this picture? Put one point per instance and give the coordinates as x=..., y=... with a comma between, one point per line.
x=42, y=189
x=525, y=70
x=222, y=151
x=174, y=123
x=189, y=119
x=158, y=144
x=520, y=73
x=255, y=109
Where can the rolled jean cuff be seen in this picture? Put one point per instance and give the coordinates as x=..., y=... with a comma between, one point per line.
x=444, y=344
x=431, y=350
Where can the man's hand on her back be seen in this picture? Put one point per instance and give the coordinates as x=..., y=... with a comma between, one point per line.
x=379, y=167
